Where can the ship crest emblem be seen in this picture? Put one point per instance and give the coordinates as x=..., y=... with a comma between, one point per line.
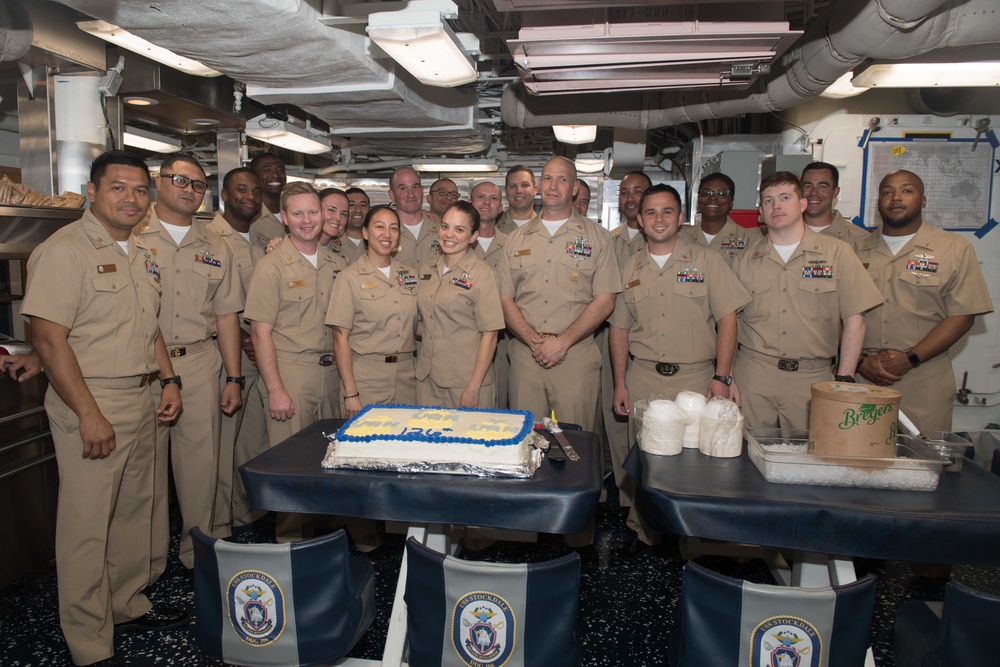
x=483, y=629
x=256, y=607
x=786, y=641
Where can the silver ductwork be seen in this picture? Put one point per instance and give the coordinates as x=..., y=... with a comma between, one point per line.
x=849, y=32
x=15, y=31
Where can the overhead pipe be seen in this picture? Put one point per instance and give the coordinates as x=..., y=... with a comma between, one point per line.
x=847, y=34
x=365, y=166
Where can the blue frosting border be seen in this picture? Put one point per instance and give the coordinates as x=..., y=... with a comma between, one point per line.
x=526, y=428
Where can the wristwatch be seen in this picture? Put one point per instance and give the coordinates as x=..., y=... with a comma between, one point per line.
x=912, y=357
x=844, y=378
x=241, y=380
x=724, y=379
x=174, y=380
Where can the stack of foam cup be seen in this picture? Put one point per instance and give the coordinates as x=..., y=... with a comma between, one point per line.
x=721, y=429
x=662, y=431
x=693, y=404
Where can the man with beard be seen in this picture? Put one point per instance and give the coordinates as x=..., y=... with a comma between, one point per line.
x=199, y=318
x=358, y=204
x=581, y=200
x=521, y=189
x=443, y=193
x=717, y=230
x=244, y=433
x=270, y=171
x=933, y=289
x=821, y=184
x=488, y=199
x=418, y=231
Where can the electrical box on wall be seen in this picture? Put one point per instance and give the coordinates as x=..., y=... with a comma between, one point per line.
x=741, y=166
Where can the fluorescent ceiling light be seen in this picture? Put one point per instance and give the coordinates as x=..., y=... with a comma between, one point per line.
x=150, y=141
x=422, y=43
x=457, y=165
x=126, y=40
x=587, y=165
x=842, y=87
x=287, y=135
x=575, y=134
x=919, y=75
x=301, y=178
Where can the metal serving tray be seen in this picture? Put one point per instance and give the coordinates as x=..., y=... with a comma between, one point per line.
x=782, y=457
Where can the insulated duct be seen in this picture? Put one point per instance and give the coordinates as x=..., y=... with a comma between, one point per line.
x=15, y=31
x=846, y=34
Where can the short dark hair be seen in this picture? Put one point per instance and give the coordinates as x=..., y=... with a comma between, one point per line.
x=125, y=158
x=649, y=181
x=660, y=188
x=516, y=168
x=468, y=210
x=326, y=192
x=255, y=163
x=583, y=184
x=171, y=160
x=817, y=166
x=719, y=176
x=228, y=178
x=782, y=178
x=352, y=191
x=375, y=209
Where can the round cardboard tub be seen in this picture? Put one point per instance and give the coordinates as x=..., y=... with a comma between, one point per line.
x=853, y=419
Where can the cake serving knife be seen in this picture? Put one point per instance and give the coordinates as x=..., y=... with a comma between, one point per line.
x=553, y=427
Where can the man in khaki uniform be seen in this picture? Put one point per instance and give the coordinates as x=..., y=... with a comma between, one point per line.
x=270, y=170
x=488, y=200
x=443, y=193
x=358, y=204
x=199, y=318
x=286, y=306
x=821, y=185
x=244, y=433
x=804, y=287
x=521, y=190
x=418, y=231
x=92, y=297
x=717, y=230
x=676, y=297
x=933, y=289
x=581, y=200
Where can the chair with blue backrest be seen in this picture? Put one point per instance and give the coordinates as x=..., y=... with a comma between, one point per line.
x=472, y=612
x=960, y=631
x=725, y=621
x=280, y=604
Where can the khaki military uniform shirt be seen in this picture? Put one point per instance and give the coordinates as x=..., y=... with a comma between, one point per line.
x=380, y=312
x=797, y=308
x=351, y=251
x=413, y=251
x=81, y=279
x=553, y=279
x=200, y=281
x=626, y=246
x=288, y=292
x=506, y=224
x=934, y=276
x=456, y=309
x=841, y=228
x=239, y=246
x=671, y=313
x=492, y=257
x=266, y=226
x=732, y=240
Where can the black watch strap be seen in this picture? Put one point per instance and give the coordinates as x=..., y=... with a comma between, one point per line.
x=174, y=380
x=724, y=379
x=241, y=380
x=844, y=378
x=912, y=357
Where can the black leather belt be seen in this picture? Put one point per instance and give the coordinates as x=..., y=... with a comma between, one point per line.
x=667, y=369
x=393, y=358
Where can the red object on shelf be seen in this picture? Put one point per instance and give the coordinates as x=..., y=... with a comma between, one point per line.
x=746, y=217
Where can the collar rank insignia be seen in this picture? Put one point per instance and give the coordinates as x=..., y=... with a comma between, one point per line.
x=483, y=629
x=690, y=274
x=406, y=279
x=734, y=243
x=208, y=257
x=464, y=281
x=580, y=247
x=256, y=607
x=922, y=263
x=817, y=268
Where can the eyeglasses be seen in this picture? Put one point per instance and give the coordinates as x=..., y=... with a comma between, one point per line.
x=714, y=193
x=183, y=181
x=450, y=194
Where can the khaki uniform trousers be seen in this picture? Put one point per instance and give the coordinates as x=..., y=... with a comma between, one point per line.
x=379, y=381
x=643, y=384
x=571, y=389
x=501, y=368
x=928, y=394
x=615, y=427
x=429, y=393
x=243, y=437
x=773, y=398
x=103, y=519
x=192, y=453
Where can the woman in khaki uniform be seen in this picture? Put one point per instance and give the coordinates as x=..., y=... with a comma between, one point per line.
x=459, y=305
x=373, y=312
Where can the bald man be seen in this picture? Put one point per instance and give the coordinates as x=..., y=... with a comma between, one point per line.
x=418, y=231
x=443, y=193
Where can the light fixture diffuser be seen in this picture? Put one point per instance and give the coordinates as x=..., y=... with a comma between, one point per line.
x=457, y=165
x=419, y=40
x=287, y=135
x=150, y=141
x=575, y=134
x=112, y=33
x=925, y=75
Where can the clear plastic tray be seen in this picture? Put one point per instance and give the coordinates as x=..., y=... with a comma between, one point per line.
x=782, y=457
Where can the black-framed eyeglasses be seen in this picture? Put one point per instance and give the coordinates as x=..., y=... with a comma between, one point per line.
x=713, y=193
x=450, y=194
x=183, y=181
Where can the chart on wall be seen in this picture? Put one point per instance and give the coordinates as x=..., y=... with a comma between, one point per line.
x=957, y=179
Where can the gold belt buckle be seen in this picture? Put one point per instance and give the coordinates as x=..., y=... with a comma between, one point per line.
x=178, y=352
x=146, y=379
x=391, y=358
x=788, y=364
